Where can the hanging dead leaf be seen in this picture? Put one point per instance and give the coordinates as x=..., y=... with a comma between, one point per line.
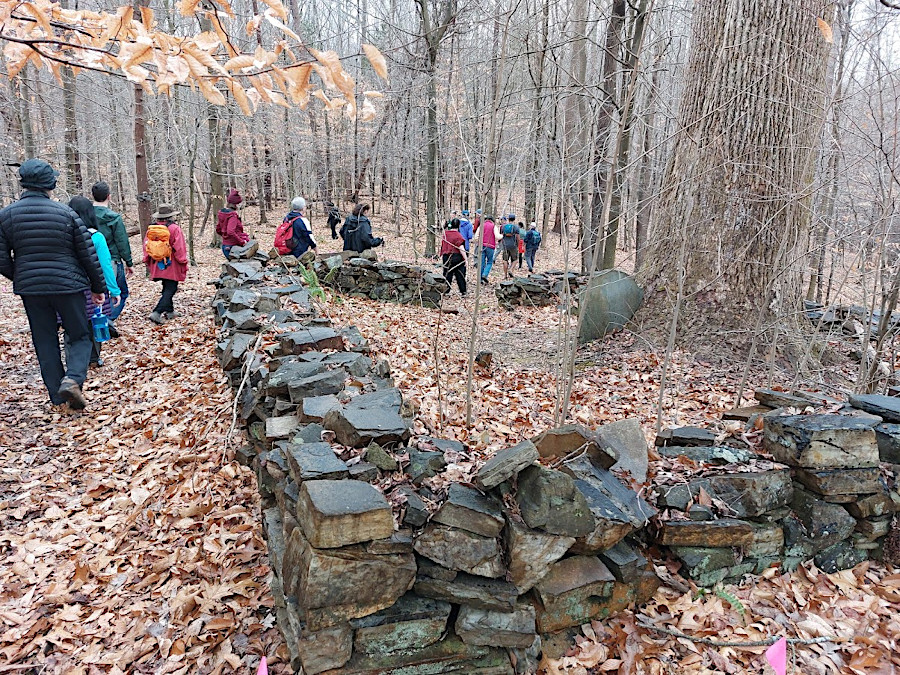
x=825, y=29
x=376, y=58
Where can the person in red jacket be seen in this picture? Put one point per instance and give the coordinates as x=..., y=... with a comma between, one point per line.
x=171, y=269
x=453, y=255
x=229, y=224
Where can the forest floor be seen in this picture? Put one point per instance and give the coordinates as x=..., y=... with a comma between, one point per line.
x=131, y=542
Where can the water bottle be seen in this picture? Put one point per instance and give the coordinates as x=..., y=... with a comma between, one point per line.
x=100, y=322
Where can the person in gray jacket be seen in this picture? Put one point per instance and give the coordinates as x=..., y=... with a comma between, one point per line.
x=48, y=254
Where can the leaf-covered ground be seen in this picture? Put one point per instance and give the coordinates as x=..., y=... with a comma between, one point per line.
x=129, y=542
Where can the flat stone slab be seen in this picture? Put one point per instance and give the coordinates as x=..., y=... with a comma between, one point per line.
x=888, y=436
x=722, y=533
x=281, y=427
x=311, y=338
x=623, y=498
x=752, y=494
x=314, y=408
x=370, y=418
x=572, y=593
x=840, y=481
x=773, y=398
x=565, y=440
x=506, y=464
x=466, y=508
x=469, y=590
x=873, y=506
x=611, y=524
x=314, y=461
x=335, y=513
x=450, y=656
x=841, y=556
x=548, y=500
x=335, y=585
x=324, y=650
x=416, y=512
x=686, y=436
x=531, y=553
x=461, y=550
x=699, y=561
x=746, y=413
x=490, y=628
x=411, y=623
x=276, y=384
x=821, y=441
x=322, y=384
x=625, y=439
x=768, y=540
x=886, y=407
x=716, y=454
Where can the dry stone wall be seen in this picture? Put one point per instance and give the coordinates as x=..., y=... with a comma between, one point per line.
x=829, y=495
x=379, y=563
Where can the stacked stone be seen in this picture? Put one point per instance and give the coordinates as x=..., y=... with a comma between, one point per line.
x=827, y=500
x=362, y=275
x=538, y=290
x=447, y=583
x=726, y=522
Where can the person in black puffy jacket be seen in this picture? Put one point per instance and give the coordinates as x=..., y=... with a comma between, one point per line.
x=357, y=231
x=48, y=254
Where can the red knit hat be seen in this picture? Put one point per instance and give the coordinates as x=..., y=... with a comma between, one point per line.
x=234, y=197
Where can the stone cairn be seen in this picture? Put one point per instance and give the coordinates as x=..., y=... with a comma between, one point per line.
x=381, y=563
x=823, y=498
x=538, y=290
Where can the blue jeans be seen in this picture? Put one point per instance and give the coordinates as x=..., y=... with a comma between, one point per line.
x=226, y=250
x=122, y=282
x=529, y=258
x=487, y=261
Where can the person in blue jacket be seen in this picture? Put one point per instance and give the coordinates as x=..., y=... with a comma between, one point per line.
x=466, y=229
x=302, y=229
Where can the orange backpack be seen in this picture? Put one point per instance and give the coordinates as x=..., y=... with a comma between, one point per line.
x=158, y=246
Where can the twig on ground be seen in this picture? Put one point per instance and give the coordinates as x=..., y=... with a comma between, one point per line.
x=735, y=643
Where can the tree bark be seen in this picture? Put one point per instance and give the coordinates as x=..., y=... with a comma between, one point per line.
x=744, y=156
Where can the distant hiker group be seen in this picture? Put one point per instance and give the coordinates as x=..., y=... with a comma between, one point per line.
x=515, y=242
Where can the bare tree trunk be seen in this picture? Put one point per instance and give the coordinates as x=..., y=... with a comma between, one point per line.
x=145, y=210
x=744, y=155
x=535, y=153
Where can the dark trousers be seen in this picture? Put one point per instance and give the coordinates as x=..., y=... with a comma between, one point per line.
x=529, y=258
x=455, y=268
x=122, y=282
x=164, y=306
x=42, y=311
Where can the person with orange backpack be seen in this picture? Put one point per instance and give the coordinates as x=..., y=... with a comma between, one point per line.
x=165, y=254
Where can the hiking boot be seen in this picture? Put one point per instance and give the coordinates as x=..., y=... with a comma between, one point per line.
x=158, y=318
x=173, y=314
x=71, y=392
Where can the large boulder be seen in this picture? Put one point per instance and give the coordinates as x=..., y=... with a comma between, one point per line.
x=607, y=303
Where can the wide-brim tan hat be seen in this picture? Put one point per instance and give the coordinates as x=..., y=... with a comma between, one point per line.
x=166, y=211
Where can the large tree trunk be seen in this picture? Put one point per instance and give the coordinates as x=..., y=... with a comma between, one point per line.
x=737, y=183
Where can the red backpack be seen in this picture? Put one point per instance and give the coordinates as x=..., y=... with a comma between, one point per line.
x=284, y=236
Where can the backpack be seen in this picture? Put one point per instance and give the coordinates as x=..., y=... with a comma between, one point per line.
x=284, y=236
x=533, y=238
x=510, y=230
x=158, y=246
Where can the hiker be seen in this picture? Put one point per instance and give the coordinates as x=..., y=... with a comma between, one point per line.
x=294, y=235
x=357, y=231
x=466, y=230
x=509, y=233
x=165, y=254
x=111, y=225
x=48, y=254
x=532, y=244
x=488, y=244
x=229, y=224
x=85, y=210
x=453, y=255
x=334, y=218
x=521, y=242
